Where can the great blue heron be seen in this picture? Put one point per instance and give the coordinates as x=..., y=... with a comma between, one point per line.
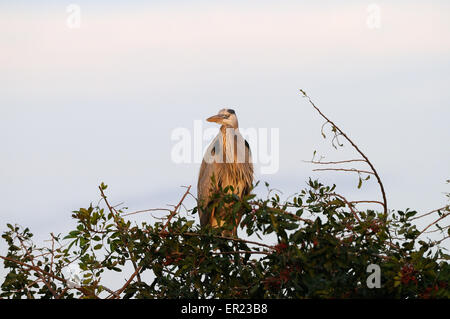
x=228, y=159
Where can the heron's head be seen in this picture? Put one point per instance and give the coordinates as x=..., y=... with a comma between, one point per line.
x=226, y=117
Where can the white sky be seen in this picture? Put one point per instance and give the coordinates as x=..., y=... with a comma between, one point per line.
x=99, y=103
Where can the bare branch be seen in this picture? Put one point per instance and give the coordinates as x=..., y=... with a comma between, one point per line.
x=136, y=272
x=335, y=162
x=147, y=210
x=114, y=213
x=436, y=221
x=447, y=207
x=227, y=238
x=355, y=147
x=240, y=252
x=345, y=170
x=366, y=201
x=174, y=211
x=349, y=205
x=437, y=230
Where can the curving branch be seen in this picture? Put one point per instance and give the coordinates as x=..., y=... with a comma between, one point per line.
x=337, y=132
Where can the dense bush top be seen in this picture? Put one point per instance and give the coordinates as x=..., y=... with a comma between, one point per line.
x=323, y=250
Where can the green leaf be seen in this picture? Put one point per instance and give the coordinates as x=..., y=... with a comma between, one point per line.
x=72, y=234
x=359, y=183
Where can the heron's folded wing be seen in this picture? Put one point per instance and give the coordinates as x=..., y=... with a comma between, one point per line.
x=204, y=180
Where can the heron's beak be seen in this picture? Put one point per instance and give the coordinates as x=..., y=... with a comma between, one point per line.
x=216, y=118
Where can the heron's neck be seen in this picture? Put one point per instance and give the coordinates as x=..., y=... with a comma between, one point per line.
x=229, y=135
x=225, y=128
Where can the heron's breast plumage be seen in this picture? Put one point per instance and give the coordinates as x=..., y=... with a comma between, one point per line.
x=228, y=158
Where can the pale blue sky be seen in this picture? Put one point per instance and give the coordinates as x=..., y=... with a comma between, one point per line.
x=99, y=103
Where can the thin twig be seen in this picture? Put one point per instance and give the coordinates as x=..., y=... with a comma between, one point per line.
x=227, y=238
x=174, y=211
x=436, y=230
x=349, y=204
x=437, y=242
x=110, y=291
x=366, y=201
x=241, y=252
x=335, y=162
x=344, y=169
x=118, y=292
x=436, y=221
x=147, y=210
x=114, y=213
x=309, y=221
x=447, y=207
